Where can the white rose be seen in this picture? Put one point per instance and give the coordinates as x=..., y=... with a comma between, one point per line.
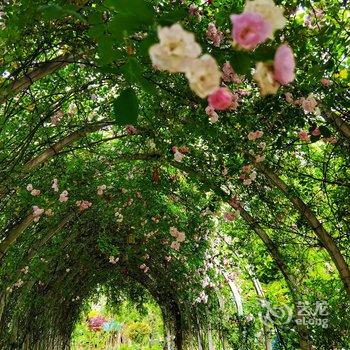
x=178, y=156
x=177, y=48
x=269, y=11
x=204, y=75
x=264, y=77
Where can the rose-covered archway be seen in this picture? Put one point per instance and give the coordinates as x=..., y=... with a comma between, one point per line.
x=198, y=149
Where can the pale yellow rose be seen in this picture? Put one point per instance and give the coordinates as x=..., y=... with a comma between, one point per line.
x=264, y=77
x=176, y=49
x=204, y=75
x=269, y=11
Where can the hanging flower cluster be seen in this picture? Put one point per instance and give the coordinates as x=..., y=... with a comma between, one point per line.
x=37, y=213
x=202, y=298
x=49, y=212
x=254, y=135
x=270, y=76
x=95, y=324
x=72, y=109
x=258, y=22
x=179, y=152
x=63, y=196
x=213, y=116
x=144, y=268
x=101, y=189
x=57, y=117
x=179, y=236
x=178, y=52
x=230, y=216
x=118, y=216
x=34, y=192
x=229, y=75
x=248, y=175
x=54, y=185
x=83, y=205
x=214, y=35
x=131, y=130
x=2, y=20
x=113, y=260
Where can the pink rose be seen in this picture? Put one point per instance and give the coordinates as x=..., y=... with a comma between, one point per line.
x=63, y=197
x=253, y=135
x=316, y=132
x=55, y=185
x=246, y=168
x=184, y=149
x=325, y=82
x=83, y=205
x=181, y=237
x=95, y=324
x=303, y=135
x=220, y=99
x=259, y=158
x=284, y=65
x=234, y=203
x=289, y=97
x=229, y=75
x=250, y=29
x=175, y=245
x=131, y=130
x=35, y=193
x=214, y=35
x=309, y=104
x=37, y=212
x=213, y=116
x=178, y=156
x=229, y=216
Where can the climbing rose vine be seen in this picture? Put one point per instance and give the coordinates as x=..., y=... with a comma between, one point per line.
x=178, y=52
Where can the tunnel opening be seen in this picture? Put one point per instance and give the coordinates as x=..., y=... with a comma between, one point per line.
x=119, y=322
x=144, y=167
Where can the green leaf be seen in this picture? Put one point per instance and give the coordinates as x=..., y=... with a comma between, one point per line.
x=126, y=107
x=137, y=11
x=264, y=53
x=172, y=17
x=241, y=63
x=325, y=132
x=121, y=25
x=96, y=31
x=107, y=52
x=132, y=70
x=51, y=11
x=133, y=73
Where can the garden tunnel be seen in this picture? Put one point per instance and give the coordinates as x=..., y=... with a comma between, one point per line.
x=117, y=172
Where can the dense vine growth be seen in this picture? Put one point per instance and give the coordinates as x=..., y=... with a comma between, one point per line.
x=199, y=150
